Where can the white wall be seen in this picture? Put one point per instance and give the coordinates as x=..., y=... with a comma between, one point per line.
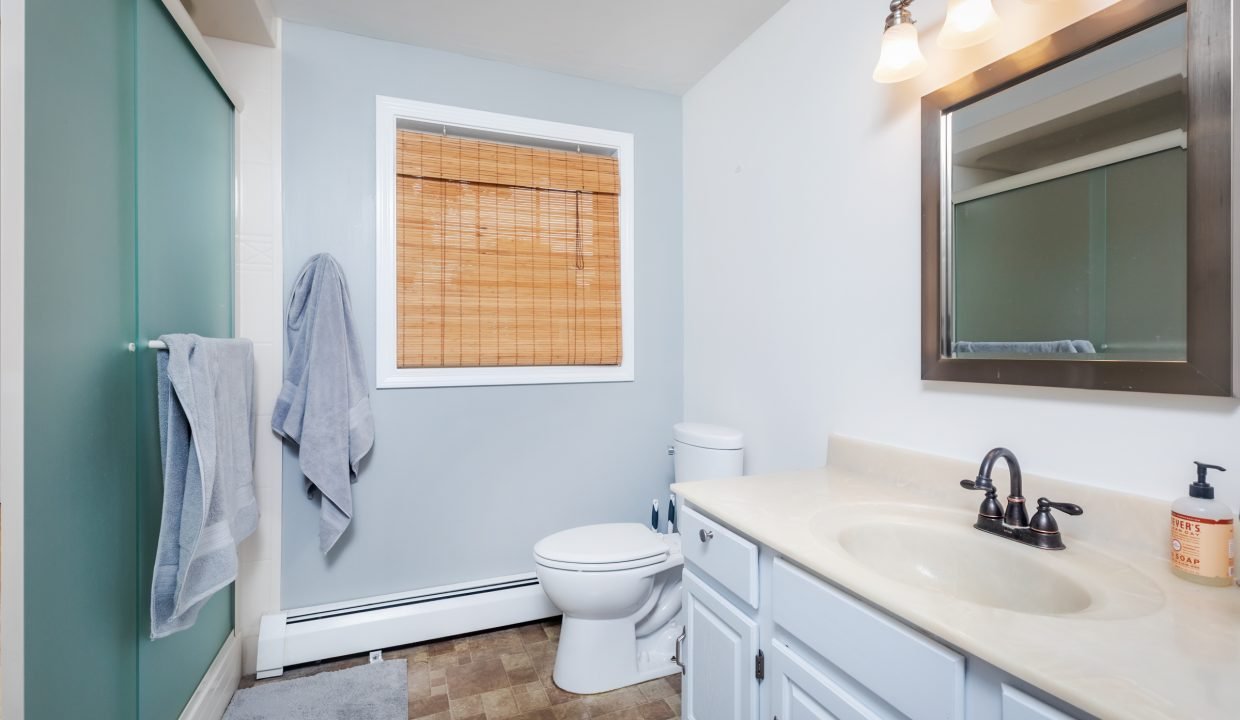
x=802, y=257
x=255, y=71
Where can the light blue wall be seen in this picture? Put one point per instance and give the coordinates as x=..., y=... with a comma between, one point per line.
x=463, y=481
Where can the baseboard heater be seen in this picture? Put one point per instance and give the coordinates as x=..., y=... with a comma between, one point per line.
x=317, y=633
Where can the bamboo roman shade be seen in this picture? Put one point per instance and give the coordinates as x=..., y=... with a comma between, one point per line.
x=506, y=255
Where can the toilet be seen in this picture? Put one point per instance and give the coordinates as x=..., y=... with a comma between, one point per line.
x=618, y=584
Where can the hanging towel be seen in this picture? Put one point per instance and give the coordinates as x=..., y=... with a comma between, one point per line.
x=206, y=435
x=324, y=407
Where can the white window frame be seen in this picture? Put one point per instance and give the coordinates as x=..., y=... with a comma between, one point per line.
x=390, y=110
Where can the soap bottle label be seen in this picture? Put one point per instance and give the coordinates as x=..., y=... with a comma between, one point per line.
x=1202, y=547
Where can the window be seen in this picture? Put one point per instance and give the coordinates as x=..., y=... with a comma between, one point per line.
x=505, y=252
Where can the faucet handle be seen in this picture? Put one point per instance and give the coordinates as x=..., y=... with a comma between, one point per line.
x=1046, y=530
x=1069, y=508
x=980, y=483
x=991, y=509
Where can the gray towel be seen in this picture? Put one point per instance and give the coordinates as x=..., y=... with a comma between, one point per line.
x=324, y=407
x=206, y=435
x=1049, y=346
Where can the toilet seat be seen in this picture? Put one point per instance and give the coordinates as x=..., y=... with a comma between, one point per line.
x=608, y=547
x=599, y=567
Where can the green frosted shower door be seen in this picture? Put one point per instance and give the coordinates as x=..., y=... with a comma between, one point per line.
x=184, y=272
x=80, y=517
x=129, y=186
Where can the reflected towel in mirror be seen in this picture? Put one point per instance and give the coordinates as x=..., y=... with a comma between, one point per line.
x=999, y=348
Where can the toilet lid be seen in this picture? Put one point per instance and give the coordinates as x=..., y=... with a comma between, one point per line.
x=602, y=544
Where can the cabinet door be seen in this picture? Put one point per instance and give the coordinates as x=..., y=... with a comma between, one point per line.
x=721, y=647
x=801, y=691
x=1022, y=706
x=913, y=674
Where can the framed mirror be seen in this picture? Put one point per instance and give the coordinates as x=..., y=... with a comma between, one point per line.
x=1076, y=208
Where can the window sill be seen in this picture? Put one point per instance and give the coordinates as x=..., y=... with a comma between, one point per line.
x=484, y=376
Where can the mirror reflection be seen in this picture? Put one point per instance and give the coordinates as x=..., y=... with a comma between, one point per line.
x=1067, y=222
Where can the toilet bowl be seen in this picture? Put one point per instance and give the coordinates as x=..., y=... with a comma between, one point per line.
x=618, y=586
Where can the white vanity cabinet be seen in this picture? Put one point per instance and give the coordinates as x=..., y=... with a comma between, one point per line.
x=766, y=640
x=721, y=647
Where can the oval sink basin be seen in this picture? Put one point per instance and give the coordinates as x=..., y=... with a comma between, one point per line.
x=940, y=560
x=938, y=550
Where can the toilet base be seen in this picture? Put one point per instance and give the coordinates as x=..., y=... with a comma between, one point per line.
x=581, y=668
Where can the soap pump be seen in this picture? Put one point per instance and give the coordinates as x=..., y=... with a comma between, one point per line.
x=1202, y=546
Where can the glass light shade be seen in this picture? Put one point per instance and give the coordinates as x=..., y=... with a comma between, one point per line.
x=968, y=23
x=900, y=57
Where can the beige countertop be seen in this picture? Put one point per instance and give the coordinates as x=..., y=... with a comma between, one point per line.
x=1151, y=646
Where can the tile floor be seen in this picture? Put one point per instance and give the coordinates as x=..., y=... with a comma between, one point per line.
x=506, y=675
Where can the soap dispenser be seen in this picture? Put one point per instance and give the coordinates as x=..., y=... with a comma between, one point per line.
x=1202, y=547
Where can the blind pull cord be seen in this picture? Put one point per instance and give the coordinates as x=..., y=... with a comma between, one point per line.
x=581, y=259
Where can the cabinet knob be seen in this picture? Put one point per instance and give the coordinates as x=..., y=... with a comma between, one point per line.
x=705, y=535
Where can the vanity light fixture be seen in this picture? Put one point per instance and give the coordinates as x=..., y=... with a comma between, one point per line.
x=968, y=23
x=900, y=56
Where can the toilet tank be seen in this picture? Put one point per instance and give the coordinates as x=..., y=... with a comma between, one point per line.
x=706, y=452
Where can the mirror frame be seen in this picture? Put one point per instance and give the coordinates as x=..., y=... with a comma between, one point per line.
x=1207, y=369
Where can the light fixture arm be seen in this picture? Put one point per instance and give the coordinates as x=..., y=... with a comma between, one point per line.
x=899, y=14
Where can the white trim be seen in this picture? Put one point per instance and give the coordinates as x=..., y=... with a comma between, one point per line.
x=235, y=277
x=215, y=691
x=388, y=111
x=316, y=633
x=12, y=361
x=258, y=314
x=235, y=281
x=177, y=10
x=1110, y=156
x=269, y=657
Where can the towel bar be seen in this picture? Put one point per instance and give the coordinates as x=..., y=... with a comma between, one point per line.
x=152, y=344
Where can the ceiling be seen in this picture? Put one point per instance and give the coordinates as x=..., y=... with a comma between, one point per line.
x=665, y=45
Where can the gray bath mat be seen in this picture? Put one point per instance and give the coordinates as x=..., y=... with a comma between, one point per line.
x=378, y=691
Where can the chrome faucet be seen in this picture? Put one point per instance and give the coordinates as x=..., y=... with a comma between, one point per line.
x=1014, y=523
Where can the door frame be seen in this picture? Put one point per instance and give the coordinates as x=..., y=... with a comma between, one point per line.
x=12, y=352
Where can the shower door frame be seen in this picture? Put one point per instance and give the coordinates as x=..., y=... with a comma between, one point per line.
x=12, y=350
